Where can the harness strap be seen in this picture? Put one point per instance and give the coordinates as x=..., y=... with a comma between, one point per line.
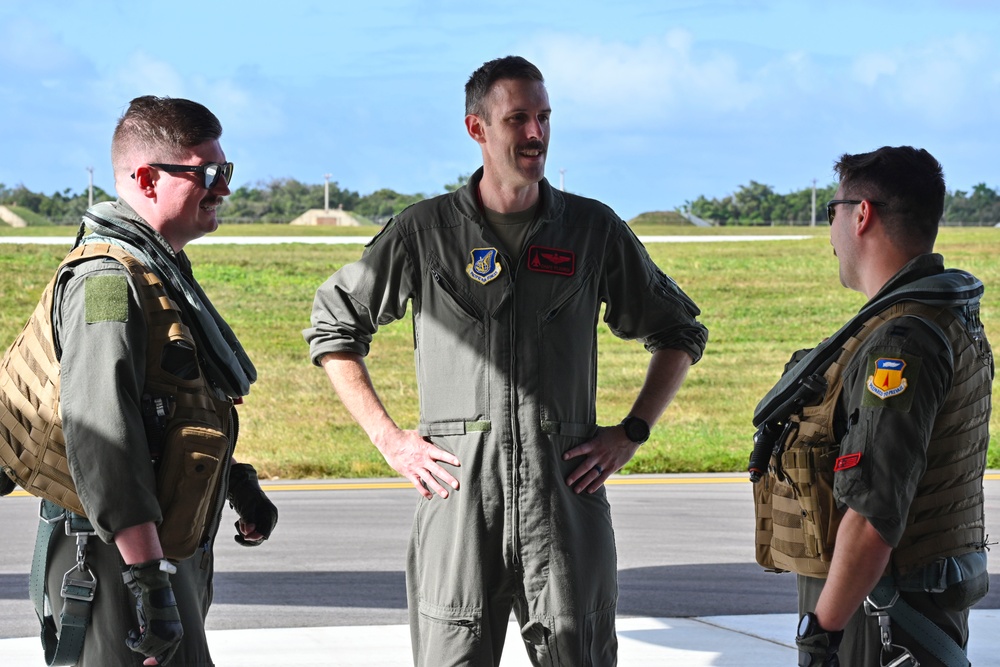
x=62, y=646
x=938, y=642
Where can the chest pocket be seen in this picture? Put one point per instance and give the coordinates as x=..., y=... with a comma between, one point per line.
x=450, y=331
x=567, y=349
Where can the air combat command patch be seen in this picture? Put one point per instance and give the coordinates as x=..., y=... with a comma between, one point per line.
x=484, y=266
x=888, y=380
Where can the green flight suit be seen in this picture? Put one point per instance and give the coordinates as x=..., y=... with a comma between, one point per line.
x=506, y=362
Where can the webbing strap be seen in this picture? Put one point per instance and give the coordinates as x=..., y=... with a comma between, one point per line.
x=61, y=647
x=937, y=642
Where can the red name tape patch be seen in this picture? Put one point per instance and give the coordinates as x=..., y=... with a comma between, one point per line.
x=846, y=462
x=551, y=260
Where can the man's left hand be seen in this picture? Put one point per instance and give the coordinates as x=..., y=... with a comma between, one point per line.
x=258, y=515
x=605, y=454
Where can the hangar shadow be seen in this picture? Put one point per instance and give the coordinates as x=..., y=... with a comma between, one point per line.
x=663, y=591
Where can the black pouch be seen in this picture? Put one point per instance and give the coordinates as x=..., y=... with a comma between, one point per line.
x=955, y=583
x=963, y=594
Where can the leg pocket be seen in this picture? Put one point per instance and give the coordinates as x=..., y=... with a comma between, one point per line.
x=449, y=637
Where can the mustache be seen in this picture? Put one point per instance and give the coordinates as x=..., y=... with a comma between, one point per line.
x=532, y=146
x=213, y=199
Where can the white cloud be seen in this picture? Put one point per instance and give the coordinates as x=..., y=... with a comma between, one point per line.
x=945, y=81
x=615, y=83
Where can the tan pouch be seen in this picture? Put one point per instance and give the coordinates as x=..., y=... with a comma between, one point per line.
x=187, y=484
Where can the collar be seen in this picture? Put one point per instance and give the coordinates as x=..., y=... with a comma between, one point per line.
x=551, y=202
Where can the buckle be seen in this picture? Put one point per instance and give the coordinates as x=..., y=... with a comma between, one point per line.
x=50, y=520
x=76, y=588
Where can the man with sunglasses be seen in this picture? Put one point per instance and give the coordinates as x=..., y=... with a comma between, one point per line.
x=147, y=374
x=884, y=520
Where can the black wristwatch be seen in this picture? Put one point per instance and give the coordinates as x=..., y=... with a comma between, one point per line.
x=636, y=429
x=817, y=647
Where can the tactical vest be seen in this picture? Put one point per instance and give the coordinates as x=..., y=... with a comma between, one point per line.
x=187, y=426
x=796, y=512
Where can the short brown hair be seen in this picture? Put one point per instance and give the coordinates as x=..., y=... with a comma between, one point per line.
x=162, y=125
x=482, y=80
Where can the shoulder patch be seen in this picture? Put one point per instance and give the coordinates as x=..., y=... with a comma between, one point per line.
x=106, y=298
x=847, y=462
x=888, y=380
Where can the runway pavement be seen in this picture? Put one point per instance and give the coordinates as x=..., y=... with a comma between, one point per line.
x=328, y=588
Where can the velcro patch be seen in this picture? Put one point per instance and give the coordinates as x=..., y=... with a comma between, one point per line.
x=106, y=299
x=846, y=462
x=888, y=381
x=551, y=260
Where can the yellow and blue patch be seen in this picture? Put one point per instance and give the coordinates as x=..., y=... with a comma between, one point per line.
x=485, y=265
x=888, y=381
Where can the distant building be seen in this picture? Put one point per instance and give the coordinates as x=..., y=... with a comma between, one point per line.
x=11, y=218
x=335, y=217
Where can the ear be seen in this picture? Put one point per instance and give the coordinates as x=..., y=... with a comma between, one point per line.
x=144, y=181
x=866, y=218
x=476, y=128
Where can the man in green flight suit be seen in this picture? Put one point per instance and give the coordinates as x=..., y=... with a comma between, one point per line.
x=507, y=277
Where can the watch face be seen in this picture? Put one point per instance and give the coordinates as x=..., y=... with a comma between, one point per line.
x=636, y=429
x=805, y=624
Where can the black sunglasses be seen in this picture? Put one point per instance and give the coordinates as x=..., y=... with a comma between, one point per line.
x=211, y=172
x=831, y=206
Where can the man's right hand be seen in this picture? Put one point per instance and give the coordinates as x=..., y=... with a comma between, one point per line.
x=416, y=459
x=817, y=647
x=160, y=629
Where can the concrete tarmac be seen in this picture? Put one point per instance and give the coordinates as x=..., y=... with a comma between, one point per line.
x=328, y=588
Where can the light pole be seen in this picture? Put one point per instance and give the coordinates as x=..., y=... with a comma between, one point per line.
x=90, y=188
x=562, y=180
x=813, y=224
x=326, y=194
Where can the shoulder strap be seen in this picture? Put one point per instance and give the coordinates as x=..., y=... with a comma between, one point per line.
x=951, y=288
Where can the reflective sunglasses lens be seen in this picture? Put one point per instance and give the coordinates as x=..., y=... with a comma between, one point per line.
x=211, y=175
x=227, y=172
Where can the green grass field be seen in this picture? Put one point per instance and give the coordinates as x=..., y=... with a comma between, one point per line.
x=760, y=301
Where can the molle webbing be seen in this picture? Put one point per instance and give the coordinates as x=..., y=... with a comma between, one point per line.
x=32, y=445
x=797, y=518
x=947, y=514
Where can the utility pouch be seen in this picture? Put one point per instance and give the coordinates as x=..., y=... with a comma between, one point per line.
x=187, y=483
x=955, y=583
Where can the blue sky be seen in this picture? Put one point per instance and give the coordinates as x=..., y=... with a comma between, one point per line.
x=654, y=102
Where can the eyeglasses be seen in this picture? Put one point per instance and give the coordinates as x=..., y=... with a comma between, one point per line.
x=831, y=205
x=211, y=172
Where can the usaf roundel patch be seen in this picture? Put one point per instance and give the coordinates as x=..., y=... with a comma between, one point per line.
x=485, y=265
x=888, y=380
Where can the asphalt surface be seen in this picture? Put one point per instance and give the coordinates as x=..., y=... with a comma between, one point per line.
x=332, y=576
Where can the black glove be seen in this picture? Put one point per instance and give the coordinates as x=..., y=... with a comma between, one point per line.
x=160, y=629
x=817, y=647
x=7, y=485
x=248, y=499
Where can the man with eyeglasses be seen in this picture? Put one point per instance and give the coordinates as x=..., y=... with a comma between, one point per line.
x=139, y=425
x=874, y=493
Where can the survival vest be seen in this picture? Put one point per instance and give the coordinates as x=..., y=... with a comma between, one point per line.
x=187, y=426
x=796, y=512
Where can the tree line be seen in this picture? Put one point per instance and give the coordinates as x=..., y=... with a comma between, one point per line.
x=283, y=200
x=277, y=201
x=759, y=204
